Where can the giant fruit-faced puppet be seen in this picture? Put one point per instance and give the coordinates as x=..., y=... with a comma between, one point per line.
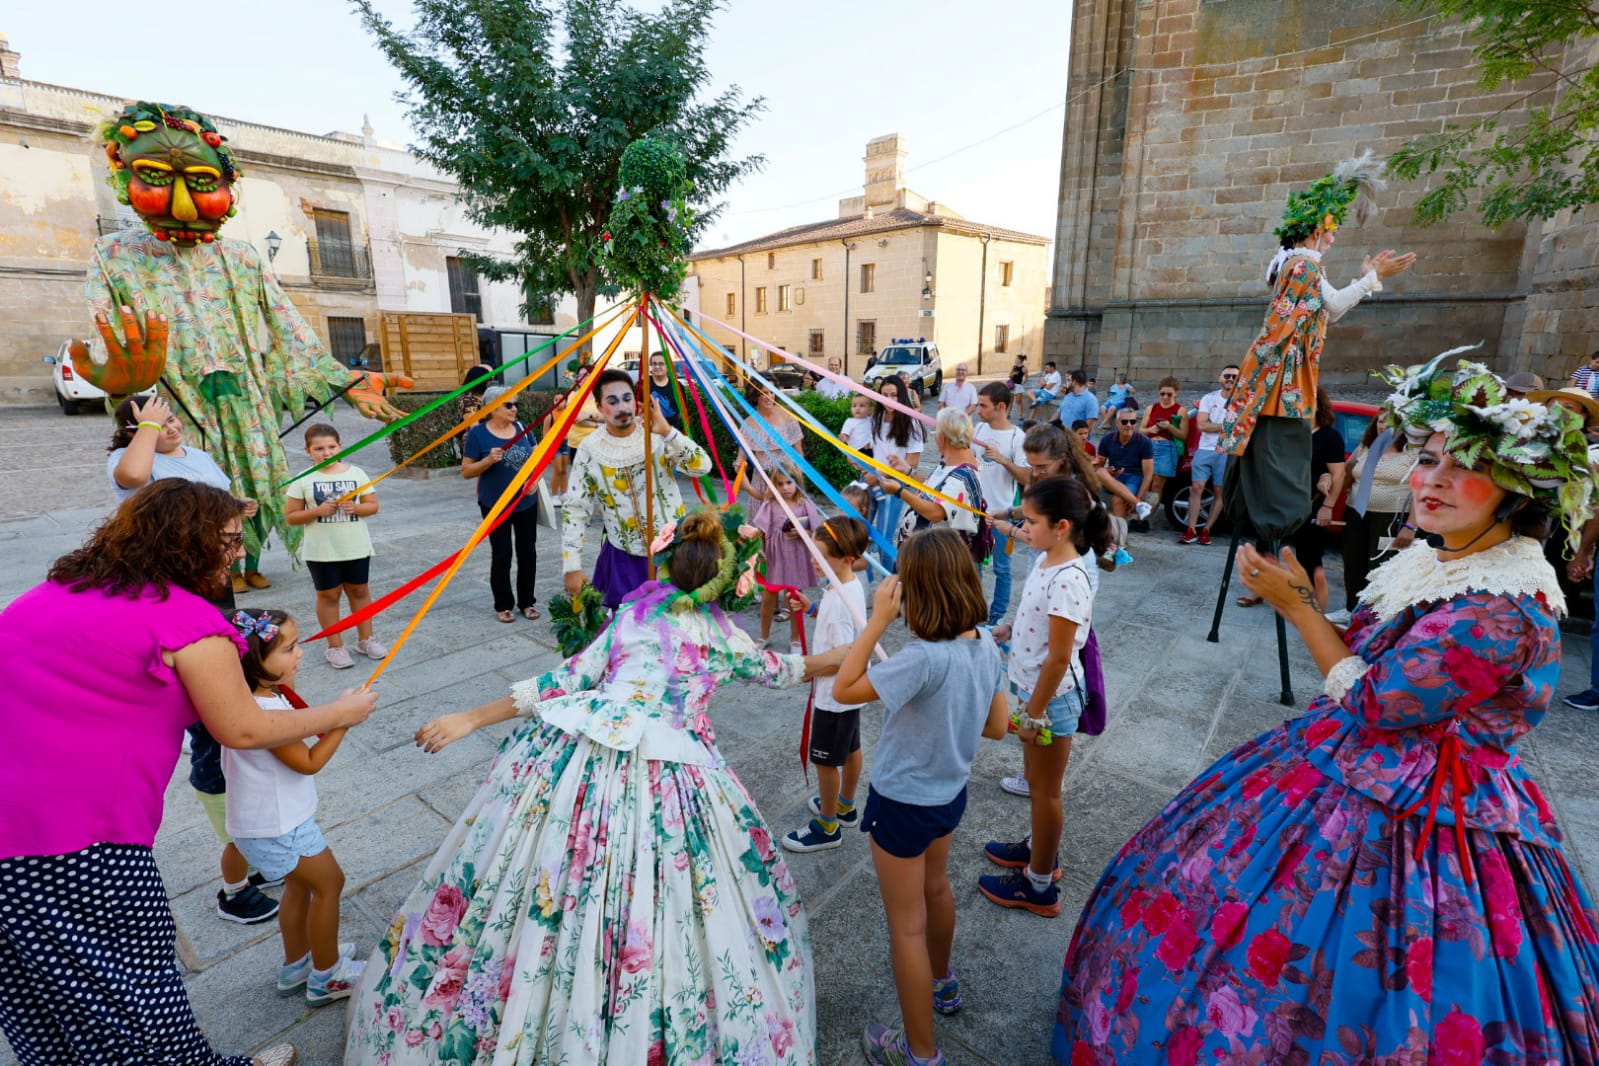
x=201, y=313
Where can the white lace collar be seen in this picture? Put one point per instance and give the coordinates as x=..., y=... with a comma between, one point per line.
x=614, y=451
x=1416, y=575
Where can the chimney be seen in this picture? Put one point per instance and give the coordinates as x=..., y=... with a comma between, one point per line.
x=885, y=170
x=9, y=60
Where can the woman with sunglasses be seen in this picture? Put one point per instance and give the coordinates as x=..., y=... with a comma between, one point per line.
x=87, y=965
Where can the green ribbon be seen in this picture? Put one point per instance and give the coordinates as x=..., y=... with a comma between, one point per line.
x=422, y=412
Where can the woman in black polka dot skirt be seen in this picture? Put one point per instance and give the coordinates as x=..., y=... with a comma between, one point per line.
x=107, y=662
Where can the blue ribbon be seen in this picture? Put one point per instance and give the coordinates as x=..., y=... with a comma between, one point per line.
x=708, y=373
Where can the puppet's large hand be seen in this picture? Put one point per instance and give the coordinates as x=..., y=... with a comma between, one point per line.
x=132, y=365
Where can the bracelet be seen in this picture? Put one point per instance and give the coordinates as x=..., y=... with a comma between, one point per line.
x=151, y=425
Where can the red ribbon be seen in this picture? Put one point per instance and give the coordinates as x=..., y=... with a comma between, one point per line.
x=1450, y=768
x=810, y=702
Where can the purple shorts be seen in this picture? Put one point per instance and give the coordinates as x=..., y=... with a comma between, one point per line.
x=617, y=574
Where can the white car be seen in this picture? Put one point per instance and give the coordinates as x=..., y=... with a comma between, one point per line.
x=917, y=359
x=72, y=392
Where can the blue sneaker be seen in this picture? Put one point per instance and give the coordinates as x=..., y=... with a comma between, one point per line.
x=812, y=838
x=947, y=993
x=1013, y=889
x=1121, y=558
x=1584, y=701
x=887, y=1047
x=845, y=817
x=1014, y=856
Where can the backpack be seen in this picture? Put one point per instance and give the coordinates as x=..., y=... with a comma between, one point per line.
x=981, y=542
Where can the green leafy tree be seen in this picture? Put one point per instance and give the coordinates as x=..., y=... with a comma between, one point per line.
x=529, y=105
x=1541, y=165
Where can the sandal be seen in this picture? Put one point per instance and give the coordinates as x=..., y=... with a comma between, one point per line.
x=505, y=616
x=531, y=614
x=1250, y=601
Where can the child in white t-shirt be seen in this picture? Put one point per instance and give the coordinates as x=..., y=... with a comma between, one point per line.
x=338, y=547
x=1059, y=520
x=835, y=741
x=272, y=819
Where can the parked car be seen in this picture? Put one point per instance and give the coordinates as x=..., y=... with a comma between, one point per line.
x=917, y=359
x=1349, y=418
x=72, y=392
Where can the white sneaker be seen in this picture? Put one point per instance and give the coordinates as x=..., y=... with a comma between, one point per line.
x=1338, y=618
x=1016, y=786
x=372, y=648
x=339, y=658
x=1144, y=509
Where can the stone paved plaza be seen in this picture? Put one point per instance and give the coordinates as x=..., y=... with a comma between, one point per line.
x=1177, y=703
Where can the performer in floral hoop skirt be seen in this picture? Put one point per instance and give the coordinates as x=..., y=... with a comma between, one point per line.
x=1380, y=880
x=611, y=895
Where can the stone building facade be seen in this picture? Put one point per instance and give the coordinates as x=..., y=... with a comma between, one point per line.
x=1187, y=124
x=892, y=264
x=361, y=227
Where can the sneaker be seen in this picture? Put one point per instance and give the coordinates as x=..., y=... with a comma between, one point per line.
x=293, y=978
x=1013, y=889
x=1121, y=558
x=1014, y=856
x=947, y=993
x=342, y=981
x=813, y=838
x=1016, y=786
x=339, y=658
x=887, y=1047
x=372, y=648
x=1338, y=618
x=1144, y=509
x=1204, y=538
x=849, y=817
x=276, y=1055
x=261, y=880
x=1584, y=701
x=249, y=906
x=1188, y=537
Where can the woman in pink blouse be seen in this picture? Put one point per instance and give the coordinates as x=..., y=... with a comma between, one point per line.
x=106, y=663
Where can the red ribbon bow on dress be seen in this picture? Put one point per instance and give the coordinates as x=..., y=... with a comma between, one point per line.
x=1451, y=768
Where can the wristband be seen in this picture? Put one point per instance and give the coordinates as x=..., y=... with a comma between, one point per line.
x=151, y=425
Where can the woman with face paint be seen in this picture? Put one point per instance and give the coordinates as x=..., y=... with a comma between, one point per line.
x=1391, y=836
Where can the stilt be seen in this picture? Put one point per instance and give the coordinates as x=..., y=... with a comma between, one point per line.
x=1286, y=698
x=1226, y=580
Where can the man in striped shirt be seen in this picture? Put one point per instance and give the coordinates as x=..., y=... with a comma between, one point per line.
x=1587, y=377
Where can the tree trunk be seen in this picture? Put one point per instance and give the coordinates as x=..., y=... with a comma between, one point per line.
x=584, y=290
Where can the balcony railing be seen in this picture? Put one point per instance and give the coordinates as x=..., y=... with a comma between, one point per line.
x=339, y=261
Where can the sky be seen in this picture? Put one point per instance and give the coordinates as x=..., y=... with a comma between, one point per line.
x=980, y=103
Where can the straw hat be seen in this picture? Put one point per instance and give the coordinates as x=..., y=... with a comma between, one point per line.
x=1571, y=394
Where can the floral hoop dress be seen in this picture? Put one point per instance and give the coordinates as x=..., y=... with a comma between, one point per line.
x=1378, y=881
x=611, y=895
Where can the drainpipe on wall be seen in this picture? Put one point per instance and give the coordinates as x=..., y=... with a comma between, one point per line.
x=743, y=301
x=848, y=247
x=982, y=299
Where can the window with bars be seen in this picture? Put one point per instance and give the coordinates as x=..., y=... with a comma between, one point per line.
x=732, y=304
x=760, y=299
x=866, y=337
x=817, y=344
x=1001, y=337
x=346, y=339
x=816, y=270
x=868, y=277
x=465, y=295
x=335, y=254
x=785, y=297
x=1007, y=272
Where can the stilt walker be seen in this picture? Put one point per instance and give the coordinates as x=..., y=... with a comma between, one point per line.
x=1269, y=414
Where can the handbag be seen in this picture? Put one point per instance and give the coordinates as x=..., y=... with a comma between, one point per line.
x=1092, y=721
x=544, y=511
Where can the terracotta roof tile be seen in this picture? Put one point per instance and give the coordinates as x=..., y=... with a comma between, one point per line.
x=860, y=226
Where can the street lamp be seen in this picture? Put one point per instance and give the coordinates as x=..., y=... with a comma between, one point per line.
x=927, y=286
x=273, y=243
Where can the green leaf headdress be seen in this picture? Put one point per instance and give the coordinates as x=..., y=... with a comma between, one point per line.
x=725, y=588
x=1535, y=449
x=1354, y=183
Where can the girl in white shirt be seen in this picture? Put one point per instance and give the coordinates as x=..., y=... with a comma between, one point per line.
x=272, y=819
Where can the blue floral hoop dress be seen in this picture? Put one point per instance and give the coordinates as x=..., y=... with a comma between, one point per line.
x=1377, y=881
